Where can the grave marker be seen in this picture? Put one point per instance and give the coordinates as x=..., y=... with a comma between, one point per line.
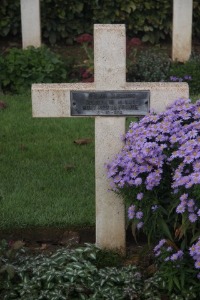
x=54, y=100
x=30, y=20
x=182, y=30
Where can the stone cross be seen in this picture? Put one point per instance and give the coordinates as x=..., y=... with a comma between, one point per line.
x=30, y=19
x=182, y=30
x=53, y=100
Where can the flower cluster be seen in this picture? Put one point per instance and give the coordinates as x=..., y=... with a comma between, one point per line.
x=195, y=254
x=160, y=142
x=180, y=79
x=133, y=213
x=170, y=255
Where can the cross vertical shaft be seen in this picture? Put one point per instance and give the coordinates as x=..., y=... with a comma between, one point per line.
x=110, y=73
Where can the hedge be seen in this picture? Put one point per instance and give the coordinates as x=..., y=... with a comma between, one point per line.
x=63, y=20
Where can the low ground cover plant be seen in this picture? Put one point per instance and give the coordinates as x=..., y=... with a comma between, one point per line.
x=157, y=174
x=72, y=274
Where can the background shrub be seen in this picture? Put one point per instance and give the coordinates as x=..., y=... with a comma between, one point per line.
x=149, y=66
x=192, y=68
x=62, y=20
x=20, y=68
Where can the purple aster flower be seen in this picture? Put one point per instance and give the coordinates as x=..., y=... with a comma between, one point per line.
x=192, y=217
x=180, y=254
x=187, y=77
x=177, y=255
x=190, y=203
x=192, y=250
x=159, y=245
x=131, y=212
x=184, y=197
x=140, y=196
x=197, y=264
x=138, y=181
x=173, y=78
x=139, y=215
x=140, y=225
x=157, y=253
x=180, y=209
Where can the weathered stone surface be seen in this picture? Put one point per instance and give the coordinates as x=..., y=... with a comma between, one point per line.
x=30, y=19
x=182, y=30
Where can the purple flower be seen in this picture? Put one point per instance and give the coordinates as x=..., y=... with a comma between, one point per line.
x=138, y=181
x=140, y=225
x=131, y=212
x=187, y=77
x=184, y=197
x=176, y=256
x=180, y=209
x=197, y=264
x=159, y=245
x=190, y=203
x=139, y=215
x=140, y=196
x=192, y=217
x=157, y=253
x=158, y=142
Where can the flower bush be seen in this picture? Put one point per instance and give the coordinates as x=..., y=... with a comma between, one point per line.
x=158, y=174
x=87, y=68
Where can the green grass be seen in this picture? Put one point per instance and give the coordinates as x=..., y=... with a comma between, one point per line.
x=37, y=185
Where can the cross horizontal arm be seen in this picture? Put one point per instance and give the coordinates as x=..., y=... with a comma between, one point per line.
x=53, y=100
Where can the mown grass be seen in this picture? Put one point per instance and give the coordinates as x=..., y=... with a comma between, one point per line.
x=45, y=178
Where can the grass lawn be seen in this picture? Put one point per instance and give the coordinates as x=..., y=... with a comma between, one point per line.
x=45, y=178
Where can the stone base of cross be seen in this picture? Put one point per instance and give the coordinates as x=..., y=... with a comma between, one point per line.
x=53, y=100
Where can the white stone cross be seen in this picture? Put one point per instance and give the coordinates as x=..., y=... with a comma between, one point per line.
x=182, y=30
x=53, y=100
x=30, y=20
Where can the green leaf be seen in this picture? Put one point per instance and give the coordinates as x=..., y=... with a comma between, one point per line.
x=165, y=229
x=177, y=283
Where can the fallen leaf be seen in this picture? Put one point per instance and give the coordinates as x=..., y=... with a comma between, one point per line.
x=69, y=167
x=23, y=147
x=83, y=141
x=43, y=247
x=18, y=245
x=151, y=269
x=3, y=105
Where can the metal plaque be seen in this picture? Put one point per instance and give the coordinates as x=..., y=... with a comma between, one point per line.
x=109, y=103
